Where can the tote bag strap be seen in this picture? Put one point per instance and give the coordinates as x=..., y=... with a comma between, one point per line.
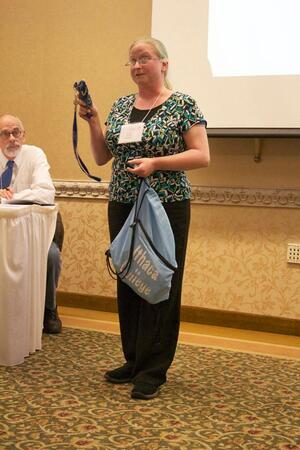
x=160, y=256
x=126, y=268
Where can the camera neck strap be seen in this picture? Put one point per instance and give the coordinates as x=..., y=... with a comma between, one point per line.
x=81, y=164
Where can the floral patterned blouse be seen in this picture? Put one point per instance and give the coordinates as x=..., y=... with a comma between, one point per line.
x=162, y=136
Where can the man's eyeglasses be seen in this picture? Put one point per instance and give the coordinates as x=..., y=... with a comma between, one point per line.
x=141, y=61
x=16, y=132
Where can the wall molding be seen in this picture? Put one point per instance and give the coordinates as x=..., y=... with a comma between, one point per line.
x=204, y=195
x=231, y=319
x=81, y=189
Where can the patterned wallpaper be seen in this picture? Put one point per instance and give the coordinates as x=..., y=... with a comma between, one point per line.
x=236, y=258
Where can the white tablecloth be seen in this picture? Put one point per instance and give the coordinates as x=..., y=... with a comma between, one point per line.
x=26, y=233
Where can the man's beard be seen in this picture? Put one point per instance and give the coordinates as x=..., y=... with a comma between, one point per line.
x=11, y=151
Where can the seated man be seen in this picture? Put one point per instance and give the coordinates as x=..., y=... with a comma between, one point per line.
x=25, y=175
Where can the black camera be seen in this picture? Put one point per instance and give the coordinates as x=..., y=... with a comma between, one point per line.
x=83, y=92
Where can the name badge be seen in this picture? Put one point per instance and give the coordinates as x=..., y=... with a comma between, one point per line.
x=131, y=132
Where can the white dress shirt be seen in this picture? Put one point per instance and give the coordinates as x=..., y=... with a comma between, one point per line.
x=31, y=178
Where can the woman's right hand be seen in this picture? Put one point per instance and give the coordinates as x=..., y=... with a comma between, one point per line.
x=85, y=112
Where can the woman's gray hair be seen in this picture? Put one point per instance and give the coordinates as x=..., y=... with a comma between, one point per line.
x=159, y=49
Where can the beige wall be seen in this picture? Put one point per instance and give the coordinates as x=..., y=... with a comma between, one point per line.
x=48, y=45
x=237, y=255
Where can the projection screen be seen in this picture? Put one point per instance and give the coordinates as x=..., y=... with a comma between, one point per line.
x=239, y=59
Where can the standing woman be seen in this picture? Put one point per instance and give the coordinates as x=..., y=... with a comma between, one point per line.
x=168, y=137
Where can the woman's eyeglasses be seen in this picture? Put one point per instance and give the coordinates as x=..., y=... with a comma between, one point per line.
x=141, y=61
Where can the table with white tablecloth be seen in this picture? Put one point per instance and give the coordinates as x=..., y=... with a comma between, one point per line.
x=26, y=232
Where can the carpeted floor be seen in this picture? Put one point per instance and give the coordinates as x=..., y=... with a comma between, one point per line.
x=214, y=399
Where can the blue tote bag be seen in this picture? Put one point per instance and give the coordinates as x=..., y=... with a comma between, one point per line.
x=143, y=253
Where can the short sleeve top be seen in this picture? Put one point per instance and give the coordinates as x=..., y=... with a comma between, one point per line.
x=162, y=136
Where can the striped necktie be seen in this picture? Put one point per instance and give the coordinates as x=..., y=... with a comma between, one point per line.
x=6, y=176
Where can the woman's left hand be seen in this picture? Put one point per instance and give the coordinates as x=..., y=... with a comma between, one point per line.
x=142, y=167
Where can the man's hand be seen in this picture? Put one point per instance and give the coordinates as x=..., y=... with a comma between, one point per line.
x=6, y=193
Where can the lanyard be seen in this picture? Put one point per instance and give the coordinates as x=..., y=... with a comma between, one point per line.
x=81, y=164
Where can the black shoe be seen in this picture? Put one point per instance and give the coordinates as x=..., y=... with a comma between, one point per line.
x=144, y=391
x=52, y=323
x=120, y=375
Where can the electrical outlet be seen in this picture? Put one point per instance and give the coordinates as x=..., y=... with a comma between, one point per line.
x=293, y=253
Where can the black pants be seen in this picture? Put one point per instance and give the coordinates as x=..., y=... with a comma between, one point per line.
x=149, y=333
